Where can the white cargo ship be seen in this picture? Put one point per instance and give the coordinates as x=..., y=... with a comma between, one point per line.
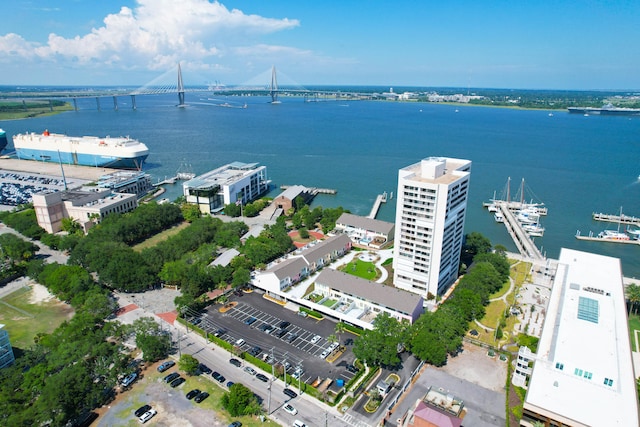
x=121, y=152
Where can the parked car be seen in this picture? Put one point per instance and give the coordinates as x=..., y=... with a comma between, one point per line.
x=284, y=324
x=292, y=337
x=220, y=332
x=172, y=376
x=290, y=409
x=281, y=333
x=255, y=351
x=302, y=314
x=235, y=362
x=266, y=328
x=239, y=343
x=348, y=341
x=229, y=384
x=147, y=415
x=218, y=377
x=175, y=383
x=324, y=354
x=249, y=370
x=193, y=393
x=315, y=339
x=235, y=424
x=292, y=394
x=204, y=369
x=297, y=373
x=262, y=377
x=141, y=410
x=352, y=369
x=202, y=396
x=250, y=321
x=166, y=365
x=129, y=379
x=298, y=423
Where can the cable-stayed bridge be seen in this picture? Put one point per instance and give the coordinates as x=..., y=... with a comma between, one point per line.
x=160, y=86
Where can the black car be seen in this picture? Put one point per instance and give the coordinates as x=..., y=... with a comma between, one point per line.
x=292, y=337
x=218, y=377
x=193, y=393
x=255, y=351
x=262, y=378
x=202, y=396
x=204, y=368
x=292, y=394
x=166, y=365
x=141, y=410
x=235, y=362
x=348, y=341
x=352, y=369
x=220, y=332
x=266, y=328
x=281, y=333
x=284, y=324
x=175, y=383
x=172, y=376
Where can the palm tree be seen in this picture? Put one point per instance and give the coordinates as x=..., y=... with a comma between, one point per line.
x=340, y=328
x=633, y=296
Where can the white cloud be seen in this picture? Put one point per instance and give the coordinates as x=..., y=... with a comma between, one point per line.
x=154, y=35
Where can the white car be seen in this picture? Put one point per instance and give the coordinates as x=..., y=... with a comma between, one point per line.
x=290, y=409
x=147, y=416
x=297, y=373
x=315, y=339
x=249, y=370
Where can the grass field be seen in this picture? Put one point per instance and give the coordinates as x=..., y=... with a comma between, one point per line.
x=152, y=241
x=634, y=325
x=366, y=270
x=24, y=319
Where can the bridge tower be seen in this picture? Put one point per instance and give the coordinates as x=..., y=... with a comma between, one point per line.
x=180, y=88
x=274, y=86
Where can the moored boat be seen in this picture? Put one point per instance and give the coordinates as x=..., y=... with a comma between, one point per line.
x=3, y=139
x=121, y=152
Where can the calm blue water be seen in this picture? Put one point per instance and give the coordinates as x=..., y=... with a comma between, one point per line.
x=576, y=165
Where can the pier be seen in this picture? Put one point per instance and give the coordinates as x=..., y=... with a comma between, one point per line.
x=523, y=242
x=382, y=198
x=620, y=219
x=315, y=190
x=596, y=238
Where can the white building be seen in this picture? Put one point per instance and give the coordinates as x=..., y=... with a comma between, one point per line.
x=243, y=182
x=365, y=231
x=430, y=213
x=583, y=371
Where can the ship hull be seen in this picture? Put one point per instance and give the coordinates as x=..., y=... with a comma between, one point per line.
x=121, y=153
x=81, y=159
x=3, y=140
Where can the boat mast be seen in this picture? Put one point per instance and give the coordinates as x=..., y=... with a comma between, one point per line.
x=508, y=191
x=522, y=194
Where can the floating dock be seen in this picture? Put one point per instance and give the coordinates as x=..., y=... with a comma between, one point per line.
x=594, y=238
x=621, y=219
x=315, y=190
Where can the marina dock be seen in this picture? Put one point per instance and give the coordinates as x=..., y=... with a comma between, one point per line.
x=595, y=238
x=620, y=219
x=521, y=239
x=315, y=190
x=382, y=198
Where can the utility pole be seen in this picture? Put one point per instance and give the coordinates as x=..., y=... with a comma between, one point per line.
x=270, y=385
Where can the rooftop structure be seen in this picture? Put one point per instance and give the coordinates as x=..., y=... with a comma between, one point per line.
x=583, y=373
x=231, y=183
x=436, y=409
x=429, y=226
x=132, y=182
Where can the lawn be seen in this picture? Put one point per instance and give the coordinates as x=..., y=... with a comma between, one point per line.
x=24, y=319
x=363, y=269
x=634, y=324
x=154, y=240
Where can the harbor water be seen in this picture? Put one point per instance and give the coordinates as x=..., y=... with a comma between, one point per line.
x=576, y=165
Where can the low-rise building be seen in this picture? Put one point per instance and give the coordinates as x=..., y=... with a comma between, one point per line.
x=286, y=199
x=85, y=207
x=130, y=182
x=435, y=409
x=235, y=182
x=582, y=370
x=365, y=231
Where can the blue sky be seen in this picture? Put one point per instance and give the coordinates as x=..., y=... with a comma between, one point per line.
x=494, y=44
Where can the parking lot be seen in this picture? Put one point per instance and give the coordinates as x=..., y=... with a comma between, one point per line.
x=300, y=344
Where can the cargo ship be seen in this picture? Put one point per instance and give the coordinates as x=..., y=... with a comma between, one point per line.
x=606, y=110
x=120, y=153
x=3, y=139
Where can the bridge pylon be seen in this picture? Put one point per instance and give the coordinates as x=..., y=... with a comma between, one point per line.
x=180, y=88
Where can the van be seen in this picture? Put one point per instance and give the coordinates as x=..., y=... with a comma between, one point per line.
x=239, y=342
x=298, y=423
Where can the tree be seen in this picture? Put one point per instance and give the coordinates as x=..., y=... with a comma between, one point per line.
x=379, y=346
x=339, y=330
x=632, y=292
x=241, y=277
x=304, y=233
x=71, y=226
x=474, y=243
x=151, y=339
x=240, y=401
x=190, y=211
x=189, y=364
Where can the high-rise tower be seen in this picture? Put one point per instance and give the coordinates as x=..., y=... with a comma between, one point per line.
x=430, y=213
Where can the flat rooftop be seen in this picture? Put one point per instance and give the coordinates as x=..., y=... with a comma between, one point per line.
x=583, y=372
